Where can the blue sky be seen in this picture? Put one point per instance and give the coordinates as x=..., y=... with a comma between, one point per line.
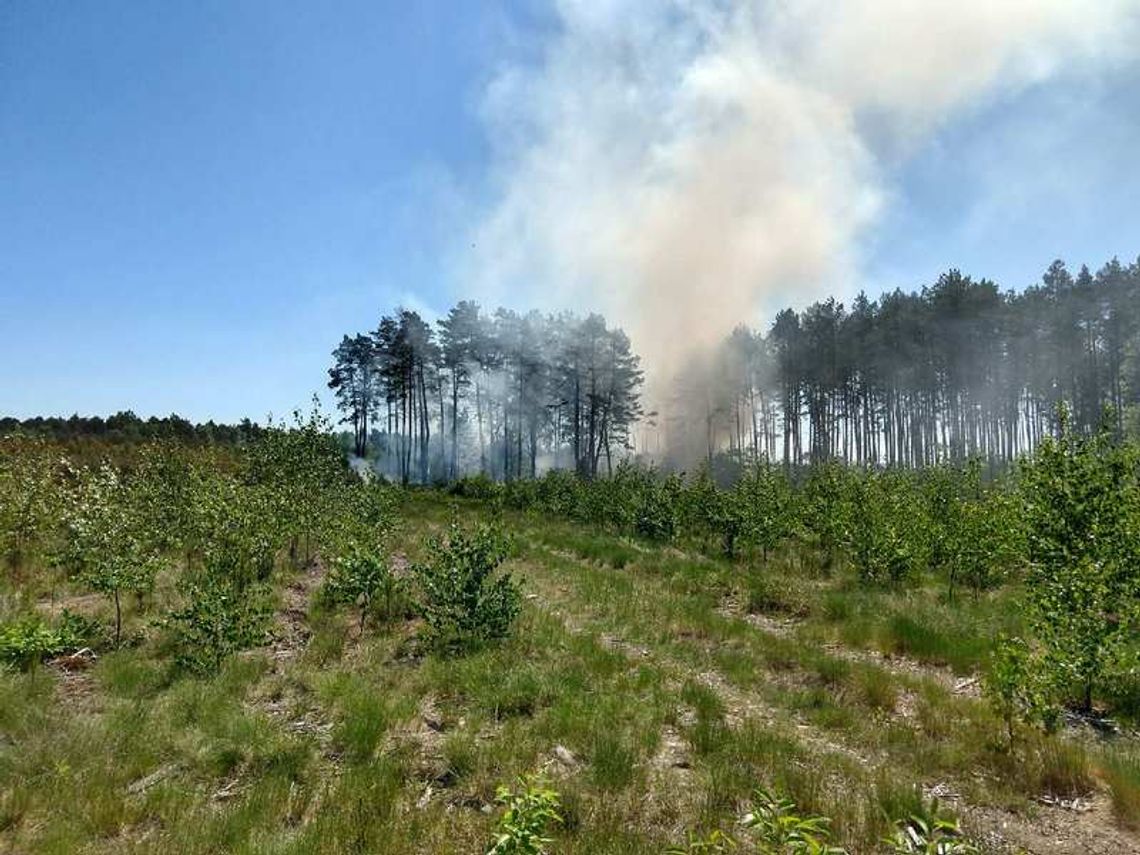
x=1000, y=193
x=198, y=199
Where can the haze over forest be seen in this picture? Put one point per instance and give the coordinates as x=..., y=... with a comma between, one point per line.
x=680, y=170
x=956, y=371
x=570, y=427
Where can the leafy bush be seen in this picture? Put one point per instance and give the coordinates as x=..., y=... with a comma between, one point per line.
x=24, y=643
x=300, y=474
x=827, y=507
x=1082, y=504
x=30, y=498
x=479, y=486
x=658, y=513
x=714, y=843
x=107, y=545
x=461, y=599
x=524, y=823
x=220, y=618
x=1014, y=685
x=929, y=836
x=716, y=514
x=780, y=829
x=359, y=579
x=885, y=533
x=769, y=503
x=984, y=542
x=558, y=492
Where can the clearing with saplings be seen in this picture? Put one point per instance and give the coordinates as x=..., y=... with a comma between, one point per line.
x=248, y=647
x=570, y=427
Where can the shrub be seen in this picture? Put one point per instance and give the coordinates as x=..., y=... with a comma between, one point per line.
x=929, y=837
x=461, y=600
x=983, y=542
x=301, y=475
x=769, y=504
x=885, y=535
x=827, y=507
x=528, y=814
x=780, y=829
x=358, y=579
x=479, y=486
x=30, y=497
x=1082, y=504
x=106, y=545
x=657, y=515
x=24, y=643
x=1014, y=686
x=220, y=619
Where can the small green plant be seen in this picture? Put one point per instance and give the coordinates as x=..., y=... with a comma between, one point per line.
x=479, y=486
x=360, y=579
x=1014, y=686
x=884, y=538
x=982, y=543
x=527, y=816
x=714, y=843
x=24, y=643
x=827, y=509
x=106, y=545
x=781, y=830
x=1082, y=507
x=929, y=836
x=462, y=601
x=220, y=618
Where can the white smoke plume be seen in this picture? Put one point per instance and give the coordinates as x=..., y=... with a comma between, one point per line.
x=683, y=165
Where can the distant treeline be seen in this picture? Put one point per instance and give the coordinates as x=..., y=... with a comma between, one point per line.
x=127, y=427
x=501, y=393
x=957, y=370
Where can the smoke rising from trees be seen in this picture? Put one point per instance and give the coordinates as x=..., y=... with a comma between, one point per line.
x=686, y=166
x=959, y=369
x=502, y=394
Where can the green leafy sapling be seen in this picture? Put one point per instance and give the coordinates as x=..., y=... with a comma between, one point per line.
x=929, y=836
x=220, y=618
x=360, y=578
x=106, y=545
x=984, y=543
x=527, y=816
x=779, y=829
x=24, y=643
x=461, y=598
x=1082, y=506
x=1015, y=687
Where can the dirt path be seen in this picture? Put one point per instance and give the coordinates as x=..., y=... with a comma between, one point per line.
x=281, y=697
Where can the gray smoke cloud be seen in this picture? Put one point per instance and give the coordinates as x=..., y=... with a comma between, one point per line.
x=682, y=165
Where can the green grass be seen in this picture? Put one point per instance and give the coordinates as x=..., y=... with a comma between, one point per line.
x=645, y=665
x=1121, y=769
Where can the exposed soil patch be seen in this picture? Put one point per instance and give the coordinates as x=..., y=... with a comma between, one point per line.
x=282, y=698
x=87, y=605
x=1089, y=829
x=291, y=631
